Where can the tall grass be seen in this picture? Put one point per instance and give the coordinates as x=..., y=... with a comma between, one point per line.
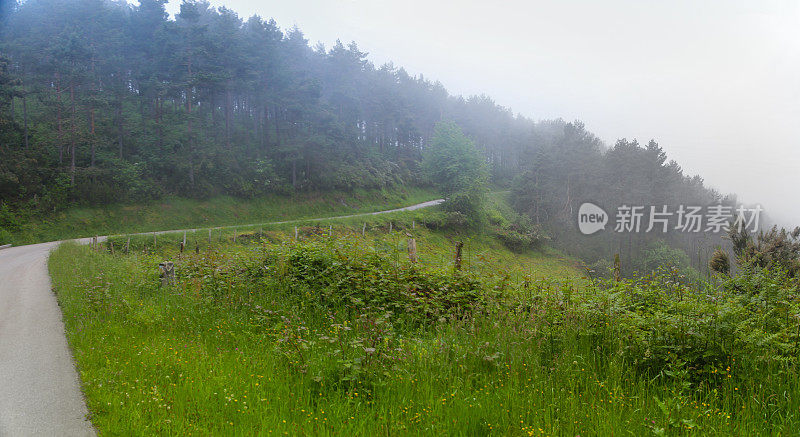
x=339, y=334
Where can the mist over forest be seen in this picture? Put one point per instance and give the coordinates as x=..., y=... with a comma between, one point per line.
x=211, y=225
x=109, y=102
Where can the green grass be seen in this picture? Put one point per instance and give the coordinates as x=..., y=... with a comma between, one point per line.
x=282, y=337
x=181, y=213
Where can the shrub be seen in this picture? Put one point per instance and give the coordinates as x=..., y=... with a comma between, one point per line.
x=521, y=234
x=660, y=255
x=338, y=280
x=720, y=262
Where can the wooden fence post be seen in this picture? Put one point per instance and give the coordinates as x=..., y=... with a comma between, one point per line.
x=364, y=230
x=295, y=233
x=128, y=245
x=457, y=265
x=390, y=227
x=167, y=273
x=111, y=247
x=412, y=250
x=617, y=268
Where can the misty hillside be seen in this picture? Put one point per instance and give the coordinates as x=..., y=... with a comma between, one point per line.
x=211, y=225
x=109, y=102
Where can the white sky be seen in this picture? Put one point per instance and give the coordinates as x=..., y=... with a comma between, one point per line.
x=715, y=82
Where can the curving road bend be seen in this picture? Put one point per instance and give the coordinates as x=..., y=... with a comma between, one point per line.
x=40, y=392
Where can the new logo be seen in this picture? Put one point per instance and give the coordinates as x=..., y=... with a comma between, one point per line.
x=591, y=218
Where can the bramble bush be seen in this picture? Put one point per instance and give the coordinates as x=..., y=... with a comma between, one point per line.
x=521, y=234
x=336, y=279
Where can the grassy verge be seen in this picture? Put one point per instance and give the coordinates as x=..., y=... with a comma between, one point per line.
x=338, y=334
x=181, y=213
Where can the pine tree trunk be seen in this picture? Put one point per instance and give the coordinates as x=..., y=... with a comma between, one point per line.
x=277, y=128
x=190, y=139
x=74, y=134
x=159, y=106
x=214, y=117
x=25, y=115
x=58, y=117
x=94, y=143
x=265, y=129
x=119, y=126
x=228, y=117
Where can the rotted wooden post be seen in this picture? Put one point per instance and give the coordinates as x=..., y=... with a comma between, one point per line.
x=167, y=273
x=459, y=246
x=412, y=250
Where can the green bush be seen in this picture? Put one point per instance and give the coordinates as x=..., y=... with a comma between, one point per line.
x=521, y=234
x=5, y=236
x=660, y=255
x=338, y=280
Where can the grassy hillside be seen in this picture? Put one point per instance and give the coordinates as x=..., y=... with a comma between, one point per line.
x=181, y=213
x=336, y=332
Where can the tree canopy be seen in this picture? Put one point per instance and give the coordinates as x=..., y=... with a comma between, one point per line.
x=105, y=101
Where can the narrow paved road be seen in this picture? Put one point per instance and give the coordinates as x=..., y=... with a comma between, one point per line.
x=39, y=388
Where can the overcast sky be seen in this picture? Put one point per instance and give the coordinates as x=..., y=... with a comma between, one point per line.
x=716, y=83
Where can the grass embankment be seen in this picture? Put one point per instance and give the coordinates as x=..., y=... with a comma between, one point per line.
x=339, y=334
x=181, y=213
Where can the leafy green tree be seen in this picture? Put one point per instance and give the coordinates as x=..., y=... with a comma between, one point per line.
x=453, y=163
x=458, y=170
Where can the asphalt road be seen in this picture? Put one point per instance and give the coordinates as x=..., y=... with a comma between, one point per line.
x=39, y=388
x=40, y=391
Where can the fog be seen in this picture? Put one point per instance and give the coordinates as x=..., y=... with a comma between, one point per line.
x=717, y=84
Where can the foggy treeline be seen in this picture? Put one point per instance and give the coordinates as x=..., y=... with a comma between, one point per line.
x=104, y=101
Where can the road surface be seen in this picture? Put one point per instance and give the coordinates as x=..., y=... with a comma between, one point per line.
x=39, y=388
x=40, y=391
